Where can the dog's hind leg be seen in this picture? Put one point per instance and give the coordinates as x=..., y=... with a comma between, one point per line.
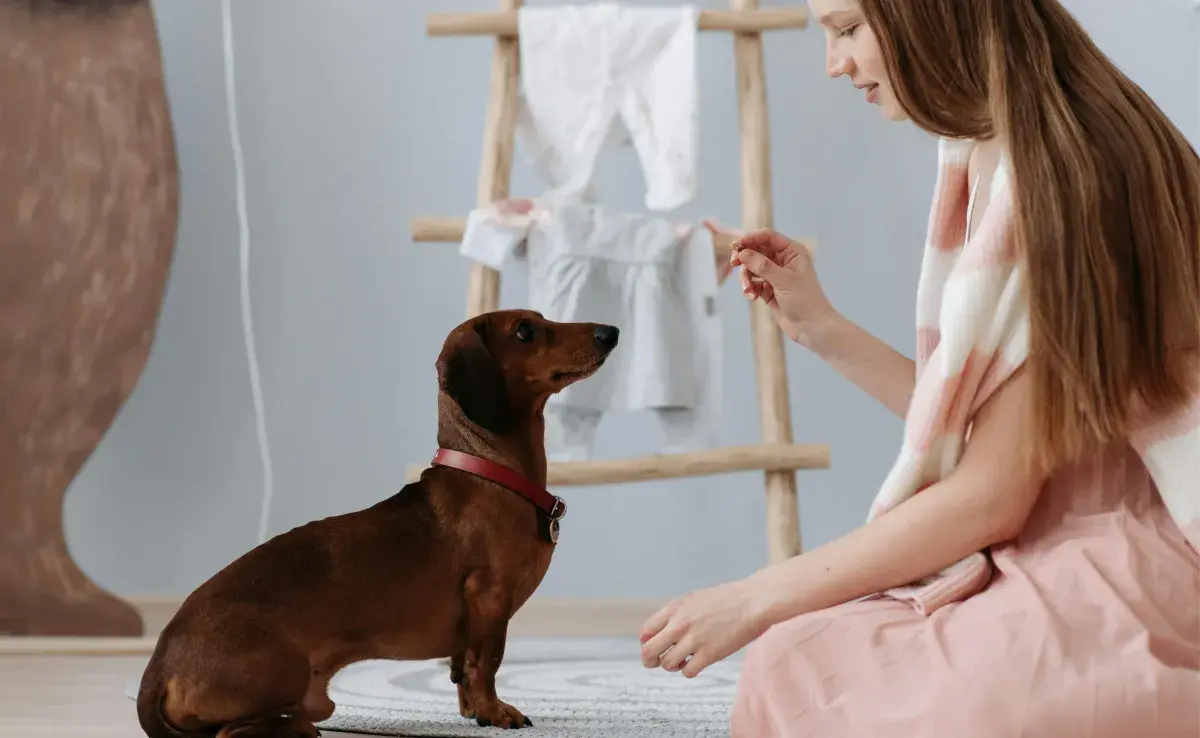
x=238, y=690
x=317, y=705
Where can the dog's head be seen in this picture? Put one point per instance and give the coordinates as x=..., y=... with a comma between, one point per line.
x=504, y=364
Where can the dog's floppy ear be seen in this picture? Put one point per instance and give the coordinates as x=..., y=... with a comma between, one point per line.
x=469, y=373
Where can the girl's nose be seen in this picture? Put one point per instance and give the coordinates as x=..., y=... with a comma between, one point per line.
x=837, y=66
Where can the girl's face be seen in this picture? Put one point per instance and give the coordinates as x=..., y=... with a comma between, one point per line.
x=851, y=49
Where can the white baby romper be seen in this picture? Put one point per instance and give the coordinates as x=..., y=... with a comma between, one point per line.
x=582, y=67
x=653, y=279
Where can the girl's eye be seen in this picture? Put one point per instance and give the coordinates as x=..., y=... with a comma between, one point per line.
x=524, y=332
x=848, y=31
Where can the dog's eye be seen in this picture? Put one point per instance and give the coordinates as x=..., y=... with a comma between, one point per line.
x=524, y=332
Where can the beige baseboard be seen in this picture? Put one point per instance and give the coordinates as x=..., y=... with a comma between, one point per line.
x=541, y=616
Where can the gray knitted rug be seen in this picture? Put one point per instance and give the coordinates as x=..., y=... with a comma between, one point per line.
x=568, y=687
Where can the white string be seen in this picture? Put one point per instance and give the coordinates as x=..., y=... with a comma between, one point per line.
x=244, y=248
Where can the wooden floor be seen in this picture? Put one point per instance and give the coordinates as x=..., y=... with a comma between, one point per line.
x=61, y=696
x=70, y=697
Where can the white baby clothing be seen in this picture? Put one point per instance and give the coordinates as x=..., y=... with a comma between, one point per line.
x=582, y=66
x=571, y=430
x=653, y=279
x=697, y=427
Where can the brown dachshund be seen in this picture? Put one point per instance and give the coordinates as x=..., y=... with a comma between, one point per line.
x=435, y=571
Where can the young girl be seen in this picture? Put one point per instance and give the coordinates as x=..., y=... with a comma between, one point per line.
x=1061, y=176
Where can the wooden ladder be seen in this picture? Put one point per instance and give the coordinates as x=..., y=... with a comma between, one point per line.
x=777, y=456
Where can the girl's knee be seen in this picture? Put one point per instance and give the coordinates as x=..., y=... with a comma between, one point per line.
x=760, y=687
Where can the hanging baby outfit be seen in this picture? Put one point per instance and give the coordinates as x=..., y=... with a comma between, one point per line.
x=582, y=66
x=652, y=278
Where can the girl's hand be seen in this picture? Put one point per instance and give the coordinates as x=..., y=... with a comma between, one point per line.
x=702, y=628
x=779, y=271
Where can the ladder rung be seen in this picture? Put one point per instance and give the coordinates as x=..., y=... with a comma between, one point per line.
x=437, y=229
x=504, y=23
x=726, y=460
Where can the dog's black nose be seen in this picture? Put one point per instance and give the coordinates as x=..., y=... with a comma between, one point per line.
x=606, y=336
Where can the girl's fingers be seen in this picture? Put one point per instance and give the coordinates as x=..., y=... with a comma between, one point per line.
x=752, y=286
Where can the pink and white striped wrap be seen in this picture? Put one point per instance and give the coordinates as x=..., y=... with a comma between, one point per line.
x=972, y=335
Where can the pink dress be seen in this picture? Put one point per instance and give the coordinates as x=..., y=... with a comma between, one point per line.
x=1089, y=629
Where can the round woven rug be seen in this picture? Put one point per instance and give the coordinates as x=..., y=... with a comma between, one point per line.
x=568, y=687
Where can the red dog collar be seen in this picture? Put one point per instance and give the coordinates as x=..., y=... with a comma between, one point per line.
x=552, y=505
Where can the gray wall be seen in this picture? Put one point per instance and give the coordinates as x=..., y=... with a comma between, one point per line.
x=349, y=314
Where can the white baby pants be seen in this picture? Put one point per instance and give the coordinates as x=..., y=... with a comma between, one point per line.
x=583, y=66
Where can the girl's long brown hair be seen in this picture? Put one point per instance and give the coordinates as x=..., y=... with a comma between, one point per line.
x=1106, y=195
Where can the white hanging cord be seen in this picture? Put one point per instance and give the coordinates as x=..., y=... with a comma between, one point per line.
x=244, y=248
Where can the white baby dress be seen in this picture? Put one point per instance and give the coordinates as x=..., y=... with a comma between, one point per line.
x=653, y=279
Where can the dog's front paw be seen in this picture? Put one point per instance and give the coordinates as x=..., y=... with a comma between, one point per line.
x=501, y=715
